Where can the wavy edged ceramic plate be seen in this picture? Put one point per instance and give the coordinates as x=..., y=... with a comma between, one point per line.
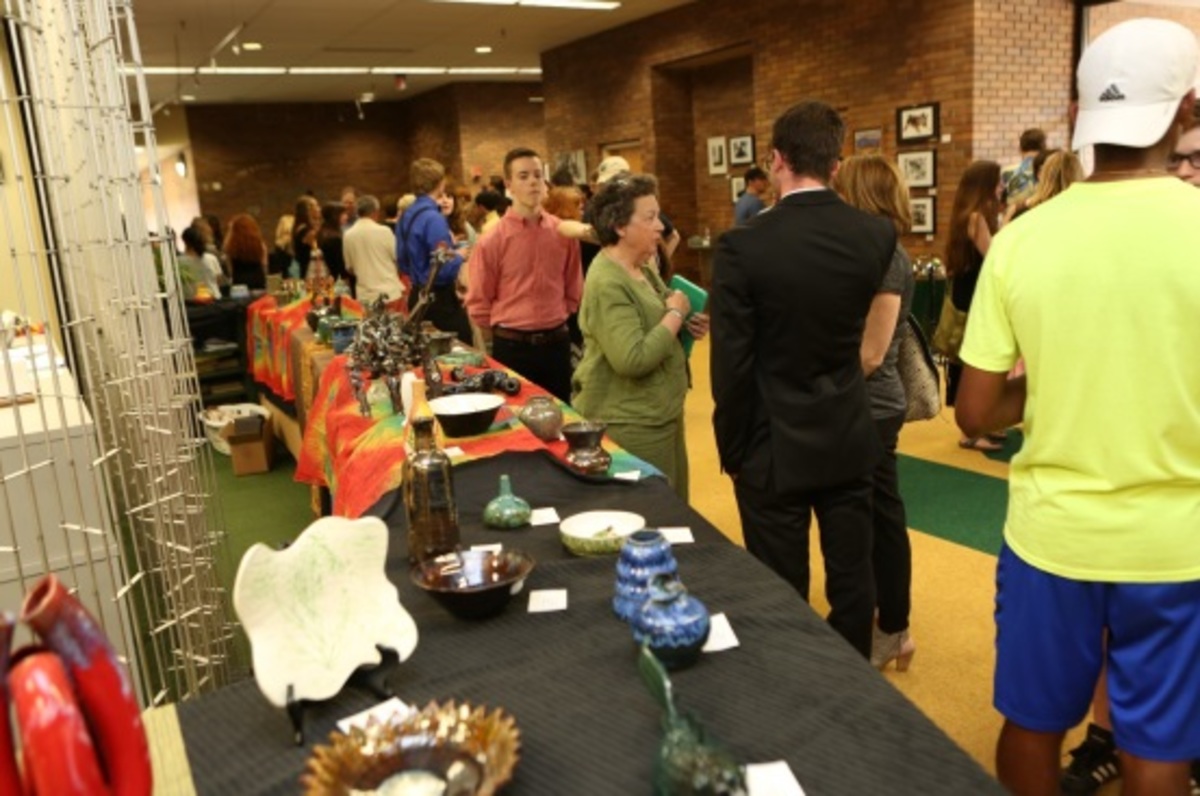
x=598, y=533
x=315, y=611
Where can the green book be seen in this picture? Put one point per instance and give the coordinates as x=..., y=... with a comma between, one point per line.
x=698, y=297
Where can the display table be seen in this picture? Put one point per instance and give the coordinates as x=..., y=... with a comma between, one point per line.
x=269, y=339
x=792, y=690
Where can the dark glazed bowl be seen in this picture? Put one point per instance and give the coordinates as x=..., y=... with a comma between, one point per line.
x=474, y=584
x=466, y=415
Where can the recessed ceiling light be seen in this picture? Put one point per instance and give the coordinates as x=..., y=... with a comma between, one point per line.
x=251, y=46
x=188, y=97
x=367, y=96
x=583, y=5
x=537, y=99
x=483, y=49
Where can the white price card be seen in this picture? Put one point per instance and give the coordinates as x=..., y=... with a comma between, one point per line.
x=678, y=535
x=383, y=712
x=488, y=548
x=629, y=475
x=454, y=452
x=548, y=516
x=772, y=779
x=544, y=600
x=720, y=634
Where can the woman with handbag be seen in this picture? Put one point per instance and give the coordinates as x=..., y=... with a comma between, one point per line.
x=975, y=219
x=873, y=184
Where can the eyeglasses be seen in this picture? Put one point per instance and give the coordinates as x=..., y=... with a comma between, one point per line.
x=1176, y=159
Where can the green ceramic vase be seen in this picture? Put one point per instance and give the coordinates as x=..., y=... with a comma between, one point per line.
x=506, y=510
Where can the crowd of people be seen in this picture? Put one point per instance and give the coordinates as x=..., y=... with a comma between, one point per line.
x=1077, y=294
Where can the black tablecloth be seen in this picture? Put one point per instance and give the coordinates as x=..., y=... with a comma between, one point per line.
x=793, y=690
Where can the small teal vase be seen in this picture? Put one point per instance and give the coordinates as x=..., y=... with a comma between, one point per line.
x=672, y=622
x=506, y=510
x=646, y=553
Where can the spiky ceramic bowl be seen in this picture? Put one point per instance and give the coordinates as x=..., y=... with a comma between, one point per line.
x=452, y=749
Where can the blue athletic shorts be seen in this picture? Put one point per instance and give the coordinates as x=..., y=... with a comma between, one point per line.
x=1050, y=648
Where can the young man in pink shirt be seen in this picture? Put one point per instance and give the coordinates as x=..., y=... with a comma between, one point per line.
x=525, y=279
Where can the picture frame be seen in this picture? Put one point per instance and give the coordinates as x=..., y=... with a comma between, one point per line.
x=741, y=150
x=917, y=123
x=737, y=186
x=924, y=215
x=918, y=168
x=577, y=160
x=868, y=141
x=718, y=158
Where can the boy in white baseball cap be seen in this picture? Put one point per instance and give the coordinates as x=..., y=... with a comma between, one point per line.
x=1098, y=291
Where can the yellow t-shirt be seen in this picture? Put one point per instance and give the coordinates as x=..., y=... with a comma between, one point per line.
x=1099, y=291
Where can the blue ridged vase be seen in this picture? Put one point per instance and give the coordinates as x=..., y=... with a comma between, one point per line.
x=672, y=622
x=646, y=553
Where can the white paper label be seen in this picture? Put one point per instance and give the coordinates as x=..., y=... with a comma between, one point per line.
x=543, y=600
x=678, y=535
x=382, y=713
x=488, y=548
x=548, y=516
x=629, y=475
x=454, y=452
x=772, y=779
x=720, y=634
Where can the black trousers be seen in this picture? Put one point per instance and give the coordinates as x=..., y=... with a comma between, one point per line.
x=891, y=552
x=445, y=312
x=776, y=531
x=954, y=372
x=547, y=365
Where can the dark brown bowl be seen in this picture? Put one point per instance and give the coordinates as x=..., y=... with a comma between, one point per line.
x=474, y=584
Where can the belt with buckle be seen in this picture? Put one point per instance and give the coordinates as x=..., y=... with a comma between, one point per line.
x=548, y=337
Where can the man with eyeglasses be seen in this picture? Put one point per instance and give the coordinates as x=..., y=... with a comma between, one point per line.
x=1184, y=162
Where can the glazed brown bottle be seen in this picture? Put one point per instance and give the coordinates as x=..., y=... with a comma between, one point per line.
x=429, y=496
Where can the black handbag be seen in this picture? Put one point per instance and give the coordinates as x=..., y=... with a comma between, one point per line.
x=919, y=374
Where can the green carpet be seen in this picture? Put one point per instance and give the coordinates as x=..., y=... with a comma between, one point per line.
x=952, y=504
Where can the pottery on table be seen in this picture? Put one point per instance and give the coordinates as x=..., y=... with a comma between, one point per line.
x=441, y=343
x=321, y=608
x=598, y=533
x=474, y=584
x=56, y=747
x=466, y=415
x=324, y=329
x=672, y=622
x=644, y=555
x=584, y=453
x=543, y=416
x=341, y=334
x=506, y=510
x=101, y=683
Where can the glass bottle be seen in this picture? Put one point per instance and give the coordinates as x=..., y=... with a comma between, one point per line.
x=429, y=496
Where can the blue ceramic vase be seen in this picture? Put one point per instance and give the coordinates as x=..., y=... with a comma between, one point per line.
x=672, y=622
x=646, y=553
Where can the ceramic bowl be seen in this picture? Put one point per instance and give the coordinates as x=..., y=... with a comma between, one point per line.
x=441, y=343
x=450, y=749
x=598, y=533
x=474, y=584
x=466, y=415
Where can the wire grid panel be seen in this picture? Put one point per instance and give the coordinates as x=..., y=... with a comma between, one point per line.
x=107, y=480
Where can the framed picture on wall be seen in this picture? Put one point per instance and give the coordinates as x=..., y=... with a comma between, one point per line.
x=923, y=210
x=577, y=160
x=868, y=141
x=718, y=159
x=741, y=150
x=919, y=168
x=737, y=186
x=917, y=123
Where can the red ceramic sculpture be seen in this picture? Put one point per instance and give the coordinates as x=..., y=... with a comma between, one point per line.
x=56, y=748
x=101, y=684
x=10, y=779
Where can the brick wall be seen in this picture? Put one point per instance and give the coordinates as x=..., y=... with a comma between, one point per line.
x=866, y=58
x=494, y=118
x=259, y=158
x=722, y=106
x=1023, y=74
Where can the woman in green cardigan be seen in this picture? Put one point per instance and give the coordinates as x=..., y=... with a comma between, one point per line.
x=634, y=373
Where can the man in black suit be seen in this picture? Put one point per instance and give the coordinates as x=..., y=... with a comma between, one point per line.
x=791, y=290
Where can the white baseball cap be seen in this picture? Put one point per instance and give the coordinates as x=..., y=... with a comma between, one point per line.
x=1131, y=79
x=610, y=167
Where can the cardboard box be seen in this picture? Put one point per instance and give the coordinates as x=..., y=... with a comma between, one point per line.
x=251, y=444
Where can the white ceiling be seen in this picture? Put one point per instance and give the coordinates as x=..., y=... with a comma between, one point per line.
x=380, y=34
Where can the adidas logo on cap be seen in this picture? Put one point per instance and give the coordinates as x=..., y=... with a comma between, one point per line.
x=1112, y=94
